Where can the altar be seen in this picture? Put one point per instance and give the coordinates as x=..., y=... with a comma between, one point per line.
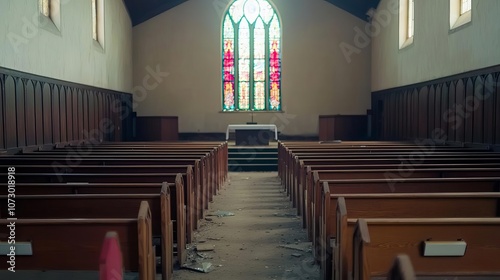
x=252, y=134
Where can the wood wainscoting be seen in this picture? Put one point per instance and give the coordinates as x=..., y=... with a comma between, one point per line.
x=460, y=109
x=37, y=111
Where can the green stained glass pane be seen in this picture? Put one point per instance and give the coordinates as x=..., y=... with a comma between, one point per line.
x=228, y=28
x=244, y=96
x=259, y=70
x=259, y=39
x=266, y=11
x=236, y=10
x=251, y=10
x=259, y=96
x=244, y=70
x=244, y=40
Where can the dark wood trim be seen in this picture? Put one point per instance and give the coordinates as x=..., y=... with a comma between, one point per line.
x=38, y=111
x=468, y=74
x=462, y=108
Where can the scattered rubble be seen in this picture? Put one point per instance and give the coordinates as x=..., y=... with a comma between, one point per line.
x=205, y=247
x=204, y=267
x=221, y=214
x=303, y=247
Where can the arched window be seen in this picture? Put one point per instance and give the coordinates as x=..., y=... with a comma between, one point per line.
x=251, y=57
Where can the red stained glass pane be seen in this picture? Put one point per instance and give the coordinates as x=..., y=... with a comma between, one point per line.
x=228, y=66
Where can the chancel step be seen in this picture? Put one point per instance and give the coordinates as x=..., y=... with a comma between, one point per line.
x=253, y=159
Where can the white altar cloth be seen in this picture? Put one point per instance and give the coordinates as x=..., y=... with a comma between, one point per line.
x=234, y=127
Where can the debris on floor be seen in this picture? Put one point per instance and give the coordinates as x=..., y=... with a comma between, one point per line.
x=204, y=267
x=204, y=247
x=303, y=247
x=285, y=215
x=213, y=239
x=221, y=214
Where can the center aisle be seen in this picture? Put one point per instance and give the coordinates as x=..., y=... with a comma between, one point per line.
x=263, y=240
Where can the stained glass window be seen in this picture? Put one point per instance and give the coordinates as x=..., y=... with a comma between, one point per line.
x=251, y=57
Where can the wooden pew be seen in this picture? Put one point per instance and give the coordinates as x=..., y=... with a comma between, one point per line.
x=205, y=191
x=74, y=244
x=110, y=260
x=295, y=172
x=189, y=200
x=191, y=181
x=213, y=157
x=306, y=183
x=406, y=185
x=293, y=178
x=286, y=155
x=220, y=150
x=378, y=241
x=337, y=209
x=176, y=205
x=67, y=206
x=392, y=176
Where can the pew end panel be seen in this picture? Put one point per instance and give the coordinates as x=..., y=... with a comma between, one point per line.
x=378, y=241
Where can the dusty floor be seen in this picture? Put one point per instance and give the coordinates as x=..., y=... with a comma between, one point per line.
x=249, y=244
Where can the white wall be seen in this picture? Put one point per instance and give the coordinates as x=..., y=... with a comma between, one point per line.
x=185, y=42
x=436, y=51
x=69, y=54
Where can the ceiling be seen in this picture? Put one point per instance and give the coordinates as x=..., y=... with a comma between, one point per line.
x=142, y=10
